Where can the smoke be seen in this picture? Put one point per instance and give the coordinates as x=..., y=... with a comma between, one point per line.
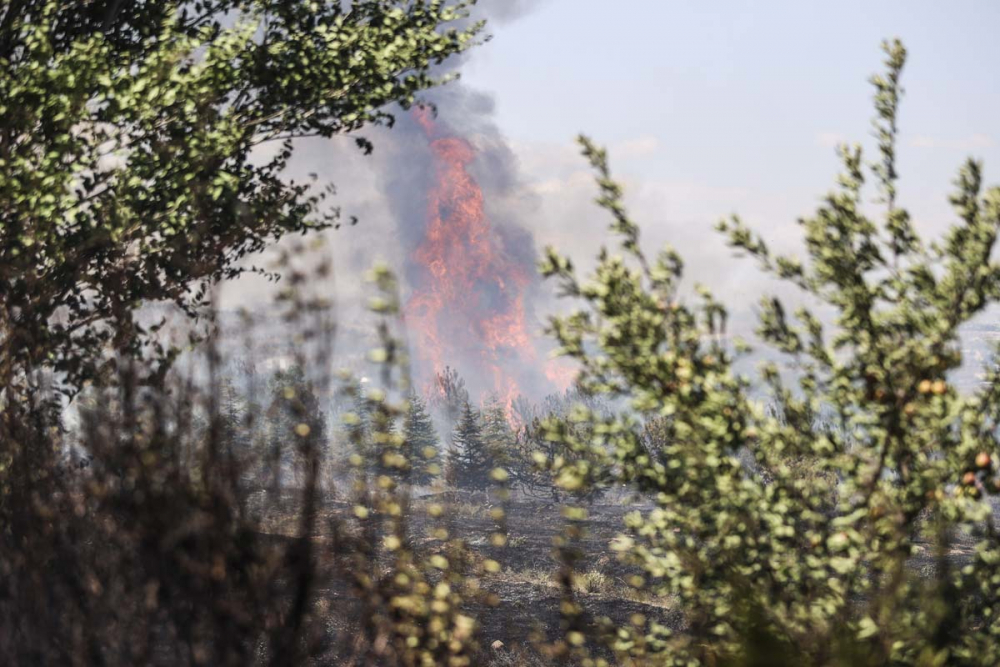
x=390, y=192
x=505, y=11
x=477, y=308
x=469, y=258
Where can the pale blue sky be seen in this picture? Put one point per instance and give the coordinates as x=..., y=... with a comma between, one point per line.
x=734, y=89
x=711, y=108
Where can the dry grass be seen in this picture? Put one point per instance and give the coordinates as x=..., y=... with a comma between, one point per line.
x=592, y=583
x=514, y=656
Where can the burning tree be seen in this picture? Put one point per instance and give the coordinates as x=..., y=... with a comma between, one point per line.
x=450, y=395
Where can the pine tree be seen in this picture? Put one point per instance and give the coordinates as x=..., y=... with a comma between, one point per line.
x=497, y=433
x=354, y=433
x=450, y=397
x=471, y=462
x=359, y=429
x=420, y=442
x=232, y=417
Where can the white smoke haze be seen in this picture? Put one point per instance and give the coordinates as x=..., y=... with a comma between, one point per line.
x=970, y=143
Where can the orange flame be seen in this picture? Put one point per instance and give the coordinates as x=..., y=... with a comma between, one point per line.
x=471, y=295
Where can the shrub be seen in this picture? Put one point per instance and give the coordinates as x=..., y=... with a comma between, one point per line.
x=807, y=564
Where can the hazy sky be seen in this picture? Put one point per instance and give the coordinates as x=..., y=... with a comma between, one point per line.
x=709, y=108
x=734, y=91
x=718, y=107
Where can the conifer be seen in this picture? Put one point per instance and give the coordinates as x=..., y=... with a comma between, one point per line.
x=471, y=460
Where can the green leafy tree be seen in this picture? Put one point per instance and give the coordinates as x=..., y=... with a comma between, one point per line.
x=142, y=147
x=471, y=461
x=787, y=568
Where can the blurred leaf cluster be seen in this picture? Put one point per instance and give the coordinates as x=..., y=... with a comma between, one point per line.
x=787, y=535
x=142, y=149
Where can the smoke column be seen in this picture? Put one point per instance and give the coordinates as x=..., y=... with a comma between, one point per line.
x=467, y=306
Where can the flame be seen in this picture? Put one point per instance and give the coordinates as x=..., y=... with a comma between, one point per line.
x=468, y=298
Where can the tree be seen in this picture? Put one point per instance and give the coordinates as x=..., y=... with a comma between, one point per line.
x=294, y=417
x=532, y=460
x=142, y=148
x=535, y=456
x=451, y=396
x=359, y=428
x=787, y=568
x=471, y=461
x=420, y=442
x=497, y=433
x=233, y=420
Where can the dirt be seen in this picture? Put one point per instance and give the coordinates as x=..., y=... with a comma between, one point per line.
x=526, y=586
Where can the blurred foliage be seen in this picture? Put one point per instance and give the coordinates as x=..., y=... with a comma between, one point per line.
x=142, y=147
x=802, y=558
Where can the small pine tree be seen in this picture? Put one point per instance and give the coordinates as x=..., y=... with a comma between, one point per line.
x=359, y=429
x=232, y=417
x=420, y=442
x=497, y=433
x=471, y=461
x=450, y=397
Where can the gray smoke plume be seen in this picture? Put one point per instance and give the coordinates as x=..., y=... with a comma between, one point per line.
x=465, y=117
x=388, y=190
x=505, y=11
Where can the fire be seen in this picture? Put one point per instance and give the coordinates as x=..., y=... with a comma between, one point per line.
x=468, y=297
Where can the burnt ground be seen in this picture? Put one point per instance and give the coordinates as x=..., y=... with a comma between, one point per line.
x=526, y=606
x=527, y=599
